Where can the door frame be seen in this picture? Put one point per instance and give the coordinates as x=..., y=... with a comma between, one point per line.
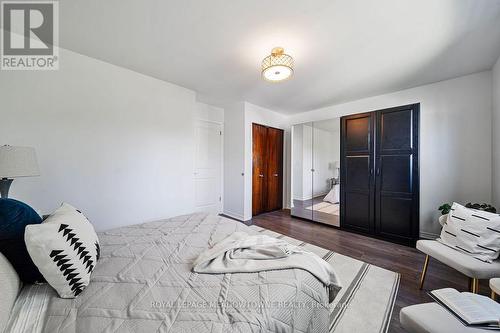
x=283, y=166
x=222, y=130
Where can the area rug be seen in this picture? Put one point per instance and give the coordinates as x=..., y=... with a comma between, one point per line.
x=367, y=298
x=325, y=207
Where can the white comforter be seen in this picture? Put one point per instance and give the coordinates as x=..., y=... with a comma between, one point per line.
x=144, y=282
x=334, y=195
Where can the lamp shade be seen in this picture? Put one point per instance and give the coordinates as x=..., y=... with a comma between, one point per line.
x=18, y=162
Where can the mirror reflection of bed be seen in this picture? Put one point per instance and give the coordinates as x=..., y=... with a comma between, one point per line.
x=315, y=171
x=324, y=208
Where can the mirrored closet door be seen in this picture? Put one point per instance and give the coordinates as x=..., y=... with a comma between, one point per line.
x=315, y=171
x=326, y=165
x=302, y=171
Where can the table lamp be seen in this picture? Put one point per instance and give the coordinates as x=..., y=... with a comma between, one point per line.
x=336, y=167
x=16, y=162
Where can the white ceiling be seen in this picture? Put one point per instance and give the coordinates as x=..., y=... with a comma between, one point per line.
x=343, y=49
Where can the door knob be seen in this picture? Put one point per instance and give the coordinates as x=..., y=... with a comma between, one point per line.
x=261, y=176
x=275, y=175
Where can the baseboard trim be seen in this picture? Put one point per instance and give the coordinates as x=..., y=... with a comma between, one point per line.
x=233, y=216
x=428, y=235
x=310, y=198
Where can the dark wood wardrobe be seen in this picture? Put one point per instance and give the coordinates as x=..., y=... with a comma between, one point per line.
x=380, y=173
x=267, y=170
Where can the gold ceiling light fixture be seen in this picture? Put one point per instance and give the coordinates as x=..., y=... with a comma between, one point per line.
x=278, y=66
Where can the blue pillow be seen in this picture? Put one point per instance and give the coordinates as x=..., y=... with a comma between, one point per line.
x=14, y=216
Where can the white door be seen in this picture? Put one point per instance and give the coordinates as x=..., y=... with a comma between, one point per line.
x=208, y=167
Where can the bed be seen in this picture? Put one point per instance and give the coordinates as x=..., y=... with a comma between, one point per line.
x=144, y=282
x=334, y=195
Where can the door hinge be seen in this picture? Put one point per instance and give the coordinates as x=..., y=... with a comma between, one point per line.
x=220, y=198
x=220, y=133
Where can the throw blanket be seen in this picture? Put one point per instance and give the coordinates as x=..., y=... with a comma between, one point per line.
x=242, y=253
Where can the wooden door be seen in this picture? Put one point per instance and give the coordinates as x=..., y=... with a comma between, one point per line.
x=259, y=170
x=356, y=184
x=397, y=181
x=274, y=174
x=267, y=169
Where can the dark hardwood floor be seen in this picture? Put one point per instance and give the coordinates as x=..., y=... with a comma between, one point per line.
x=398, y=258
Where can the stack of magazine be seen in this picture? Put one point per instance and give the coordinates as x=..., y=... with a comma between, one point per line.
x=471, y=309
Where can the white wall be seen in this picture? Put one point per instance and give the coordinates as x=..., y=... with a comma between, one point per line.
x=209, y=113
x=496, y=135
x=238, y=143
x=117, y=144
x=120, y=145
x=234, y=161
x=259, y=115
x=455, y=142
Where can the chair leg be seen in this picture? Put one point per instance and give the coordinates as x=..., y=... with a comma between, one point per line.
x=424, y=271
x=493, y=295
x=475, y=286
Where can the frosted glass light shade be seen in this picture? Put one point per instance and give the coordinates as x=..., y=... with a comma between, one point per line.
x=277, y=73
x=278, y=66
x=18, y=162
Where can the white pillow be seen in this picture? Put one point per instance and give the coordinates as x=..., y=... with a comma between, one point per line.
x=65, y=248
x=473, y=232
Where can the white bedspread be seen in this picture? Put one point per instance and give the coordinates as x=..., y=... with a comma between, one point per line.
x=30, y=309
x=144, y=282
x=334, y=195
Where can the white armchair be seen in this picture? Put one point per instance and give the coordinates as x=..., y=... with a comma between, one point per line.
x=432, y=317
x=442, y=219
x=474, y=269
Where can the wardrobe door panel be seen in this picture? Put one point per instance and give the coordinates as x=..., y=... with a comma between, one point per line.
x=274, y=174
x=259, y=191
x=357, y=134
x=357, y=170
x=395, y=175
x=357, y=212
x=397, y=184
x=396, y=130
x=395, y=212
x=356, y=199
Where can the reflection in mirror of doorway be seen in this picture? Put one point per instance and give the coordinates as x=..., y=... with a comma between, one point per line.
x=315, y=171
